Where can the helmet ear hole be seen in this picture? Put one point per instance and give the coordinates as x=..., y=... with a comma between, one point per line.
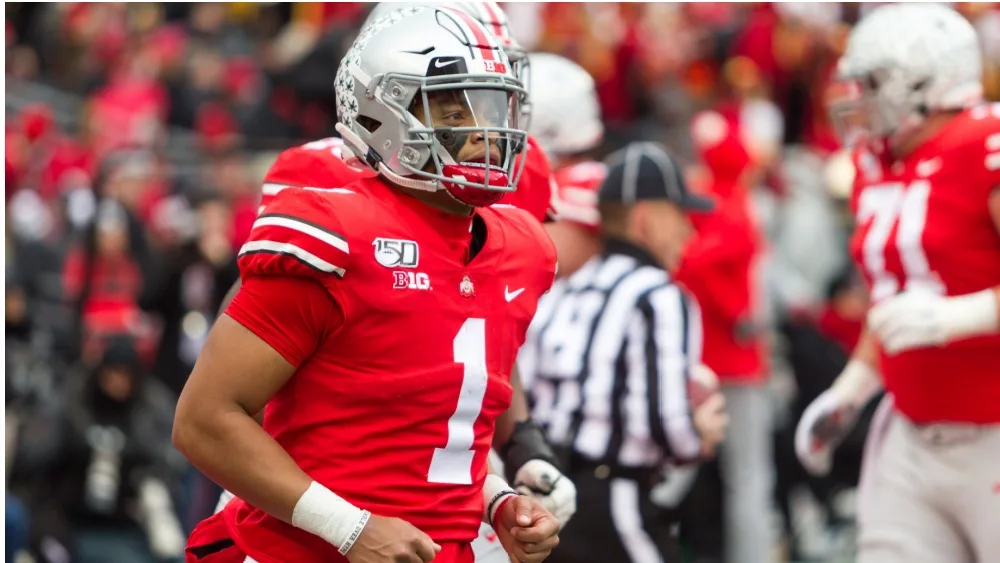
x=369, y=123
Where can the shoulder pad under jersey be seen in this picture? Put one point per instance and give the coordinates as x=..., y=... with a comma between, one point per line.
x=317, y=164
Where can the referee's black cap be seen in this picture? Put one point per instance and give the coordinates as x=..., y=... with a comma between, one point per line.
x=645, y=171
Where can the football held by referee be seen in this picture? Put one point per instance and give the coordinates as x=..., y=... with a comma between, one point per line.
x=608, y=361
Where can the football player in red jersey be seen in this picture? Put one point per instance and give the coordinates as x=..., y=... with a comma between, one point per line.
x=529, y=460
x=566, y=121
x=927, y=204
x=382, y=370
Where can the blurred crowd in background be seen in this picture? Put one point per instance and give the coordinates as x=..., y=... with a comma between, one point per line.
x=136, y=139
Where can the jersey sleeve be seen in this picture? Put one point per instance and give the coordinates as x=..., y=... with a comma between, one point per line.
x=292, y=315
x=297, y=234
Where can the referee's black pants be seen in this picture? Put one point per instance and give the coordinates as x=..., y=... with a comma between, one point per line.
x=615, y=520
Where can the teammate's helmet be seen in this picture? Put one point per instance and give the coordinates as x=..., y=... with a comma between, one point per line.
x=493, y=18
x=567, y=116
x=902, y=62
x=426, y=96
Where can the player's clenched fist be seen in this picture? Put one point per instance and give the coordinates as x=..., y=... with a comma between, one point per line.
x=526, y=530
x=392, y=540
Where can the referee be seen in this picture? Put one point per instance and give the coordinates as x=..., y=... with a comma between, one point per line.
x=607, y=360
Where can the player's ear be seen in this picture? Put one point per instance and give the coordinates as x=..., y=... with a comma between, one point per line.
x=638, y=220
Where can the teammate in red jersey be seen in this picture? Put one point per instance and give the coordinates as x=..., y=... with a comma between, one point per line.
x=927, y=203
x=566, y=121
x=382, y=373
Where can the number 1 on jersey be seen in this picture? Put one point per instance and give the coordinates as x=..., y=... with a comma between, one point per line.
x=453, y=463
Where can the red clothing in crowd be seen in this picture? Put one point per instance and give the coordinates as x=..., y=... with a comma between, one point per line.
x=717, y=268
x=718, y=264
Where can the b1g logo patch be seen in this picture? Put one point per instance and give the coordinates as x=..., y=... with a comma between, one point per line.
x=396, y=253
x=411, y=280
x=494, y=66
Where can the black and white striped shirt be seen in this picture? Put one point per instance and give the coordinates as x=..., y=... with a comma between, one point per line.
x=607, y=358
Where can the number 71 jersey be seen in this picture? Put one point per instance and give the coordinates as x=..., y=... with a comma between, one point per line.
x=395, y=410
x=923, y=225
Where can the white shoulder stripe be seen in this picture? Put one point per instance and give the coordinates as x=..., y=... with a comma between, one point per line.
x=272, y=189
x=304, y=228
x=329, y=190
x=286, y=248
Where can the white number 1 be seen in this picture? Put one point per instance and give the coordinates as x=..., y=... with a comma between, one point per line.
x=453, y=463
x=884, y=205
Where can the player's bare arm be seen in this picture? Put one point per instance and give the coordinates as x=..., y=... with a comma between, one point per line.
x=532, y=466
x=518, y=412
x=214, y=427
x=831, y=416
x=228, y=297
x=226, y=300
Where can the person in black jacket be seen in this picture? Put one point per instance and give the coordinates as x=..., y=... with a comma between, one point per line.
x=94, y=467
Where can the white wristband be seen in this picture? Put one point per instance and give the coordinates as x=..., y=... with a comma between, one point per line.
x=857, y=384
x=322, y=512
x=494, y=491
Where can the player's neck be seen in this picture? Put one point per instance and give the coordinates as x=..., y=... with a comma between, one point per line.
x=925, y=132
x=441, y=201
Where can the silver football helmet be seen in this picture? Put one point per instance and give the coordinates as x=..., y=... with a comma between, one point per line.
x=427, y=97
x=494, y=19
x=902, y=62
x=490, y=14
x=567, y=114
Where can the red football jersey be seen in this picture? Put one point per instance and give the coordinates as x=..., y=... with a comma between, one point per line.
x=536, y=191
x=395, y=409
x=577, y=185
x=923, y=225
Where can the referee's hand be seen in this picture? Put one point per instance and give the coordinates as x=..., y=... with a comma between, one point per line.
x=711, y=419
